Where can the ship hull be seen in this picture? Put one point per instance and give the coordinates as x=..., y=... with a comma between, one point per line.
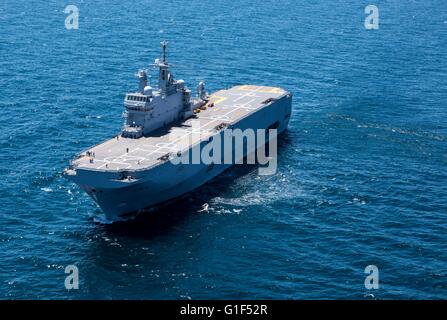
x=120, y=199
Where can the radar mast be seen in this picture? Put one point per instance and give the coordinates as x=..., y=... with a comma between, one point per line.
x=165, y=78
x=164, y=45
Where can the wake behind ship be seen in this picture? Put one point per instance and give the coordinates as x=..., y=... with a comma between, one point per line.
x=132, y=171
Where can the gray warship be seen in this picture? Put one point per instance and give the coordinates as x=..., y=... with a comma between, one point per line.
x=131, y=172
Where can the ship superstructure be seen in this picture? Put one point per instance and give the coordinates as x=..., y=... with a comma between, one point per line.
x=149, y=109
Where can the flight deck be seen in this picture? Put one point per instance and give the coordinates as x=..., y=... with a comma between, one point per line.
x=225, y=107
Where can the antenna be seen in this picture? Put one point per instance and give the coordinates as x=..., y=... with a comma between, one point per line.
x=164, y=44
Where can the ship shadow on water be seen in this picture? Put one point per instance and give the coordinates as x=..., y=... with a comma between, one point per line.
x=168, y=217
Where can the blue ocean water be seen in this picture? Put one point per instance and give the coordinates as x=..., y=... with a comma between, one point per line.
x=362, y=169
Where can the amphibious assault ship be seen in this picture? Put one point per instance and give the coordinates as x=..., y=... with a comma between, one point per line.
x=132, y=171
